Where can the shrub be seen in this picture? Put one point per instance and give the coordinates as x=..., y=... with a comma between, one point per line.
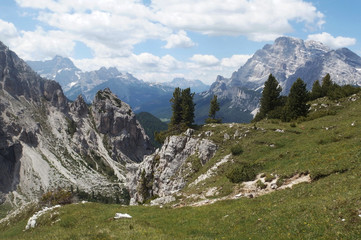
x=261, y=185
x=59, y=196
x=280, y=182
x=241, y=173
x=71, y=126
x=269, y=178
x=236, y=150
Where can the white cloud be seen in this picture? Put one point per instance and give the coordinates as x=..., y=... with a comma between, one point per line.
x=204, y=60
x=235, y=61
x=41, y=44
x=259, y=20
x=331, y=41
x=112, y=28
x=179, y=40
x=8, y=32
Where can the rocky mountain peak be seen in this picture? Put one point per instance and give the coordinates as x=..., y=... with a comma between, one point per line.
x=116, y=119
x=79, y=107
x=18, y=79
x=47, y=142
x=290, y=58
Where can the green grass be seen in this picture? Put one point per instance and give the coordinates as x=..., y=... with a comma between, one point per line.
x=324, y=145
x=308, y=211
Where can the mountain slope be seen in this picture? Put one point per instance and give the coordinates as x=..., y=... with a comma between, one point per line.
x=151, y=124
x=47, y=142
x=324, y=148
x=287, y=59
x=290, y=58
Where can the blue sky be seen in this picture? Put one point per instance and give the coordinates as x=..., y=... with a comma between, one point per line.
x=157, y=40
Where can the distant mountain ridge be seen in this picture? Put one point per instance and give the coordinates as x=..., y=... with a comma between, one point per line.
x=196, y=86
x=141, y=96
x=291, y=58
x=287, y=59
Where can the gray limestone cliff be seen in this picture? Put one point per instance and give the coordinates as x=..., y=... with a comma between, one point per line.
x=165, y=172
x=47, y=142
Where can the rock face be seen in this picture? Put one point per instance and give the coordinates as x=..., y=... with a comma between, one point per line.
x=47, y=142
x=290, y=58
x=165, y=172
x=287, y=59
x=115, y=119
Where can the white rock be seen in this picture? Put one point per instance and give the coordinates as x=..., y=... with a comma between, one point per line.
x=122, y=215
x=32, y=220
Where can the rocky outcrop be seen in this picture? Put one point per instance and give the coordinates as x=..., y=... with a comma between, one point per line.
x=165, y=172
x=116, y=120
x=47, y=142
x=18, y=79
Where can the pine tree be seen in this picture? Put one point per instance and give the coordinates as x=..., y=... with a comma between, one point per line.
x=296, y=105
x=317, y=91
x=213, y=109
x=176, y=107
x=270, y=99
x=326, y=85
x=187, y=106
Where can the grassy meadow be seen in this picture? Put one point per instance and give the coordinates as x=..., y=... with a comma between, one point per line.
x=326, y=145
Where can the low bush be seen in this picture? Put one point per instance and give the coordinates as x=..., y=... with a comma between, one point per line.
x=261, y=185
x=59, y=196
x=241, y=173
x=236, y=150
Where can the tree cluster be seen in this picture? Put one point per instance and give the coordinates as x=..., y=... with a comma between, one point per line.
x=182, y=114
x=273, y=105
x=331, y=90
x=183, y=109
x=293, y=106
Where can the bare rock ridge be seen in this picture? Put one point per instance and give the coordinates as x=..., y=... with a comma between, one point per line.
x=165, y=172
x=47, y=142
x=115, y=119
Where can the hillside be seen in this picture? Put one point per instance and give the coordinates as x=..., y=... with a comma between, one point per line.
x=151, y=124
x=320, y=155
x=48, y=142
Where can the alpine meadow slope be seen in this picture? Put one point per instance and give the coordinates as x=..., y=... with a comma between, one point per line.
x=302, y=183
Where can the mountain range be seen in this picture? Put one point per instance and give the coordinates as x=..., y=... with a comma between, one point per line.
x=287, y=59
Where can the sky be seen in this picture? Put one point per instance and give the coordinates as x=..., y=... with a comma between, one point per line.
x=158, y=40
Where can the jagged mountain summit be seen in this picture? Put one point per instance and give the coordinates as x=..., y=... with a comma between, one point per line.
x=290, y=58
x=287, y=59
x=59, y=69
x=140, y=95
x=47, y=142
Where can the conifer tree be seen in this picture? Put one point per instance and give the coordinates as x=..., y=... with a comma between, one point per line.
x=317, y=91
x=296, y=105
x=270, y=97
x=213, y=109
x=176, y=101
x=187, y=106
x=326, y=85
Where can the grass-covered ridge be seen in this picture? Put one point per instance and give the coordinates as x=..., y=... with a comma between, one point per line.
x=325, y=145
